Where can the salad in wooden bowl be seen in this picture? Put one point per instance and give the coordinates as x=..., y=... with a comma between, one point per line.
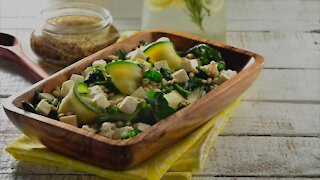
x=131, y=100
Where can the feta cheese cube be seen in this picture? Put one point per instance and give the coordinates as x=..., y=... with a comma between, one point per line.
x=72, y=120
x=95, y=90
x=101, y=64
x=128, y=105
x=141, y=126
x=189, y=65
x=101, y=101
x=120, y=132
x=139, y=93
x=43, y=107
x=77, y=77
x=225, y=75
x=161, y=64
x=138, y=53
x=66, y=87
x=180, y=76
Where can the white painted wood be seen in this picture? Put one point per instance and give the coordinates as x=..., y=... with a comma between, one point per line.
x=275, y=119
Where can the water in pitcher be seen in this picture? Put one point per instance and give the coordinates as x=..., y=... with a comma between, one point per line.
x=205, y=18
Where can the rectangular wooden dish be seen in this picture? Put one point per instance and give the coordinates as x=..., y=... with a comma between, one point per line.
x=124, y=154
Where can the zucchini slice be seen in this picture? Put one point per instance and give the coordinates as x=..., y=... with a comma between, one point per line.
x=125, y=75
x=163, y=50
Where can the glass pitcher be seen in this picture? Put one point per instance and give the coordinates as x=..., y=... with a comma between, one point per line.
x=204, y=18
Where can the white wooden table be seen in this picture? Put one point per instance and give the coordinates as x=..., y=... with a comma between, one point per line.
x=275, y=132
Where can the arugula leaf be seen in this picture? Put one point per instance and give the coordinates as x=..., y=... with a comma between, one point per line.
x=153, y=75
x=160, y=107
x=206, y=54
x=131, y=134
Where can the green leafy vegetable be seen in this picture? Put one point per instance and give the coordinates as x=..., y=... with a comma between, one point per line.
x=202, y=74
x=113, y=114
x=160, y=107
x=181, y=90
x=166, y=73
x=167, y=88
x=36, y=99
x=206, y=54
x=131, y=134
x=192, y=84
x=94, y=76
x=121, y=54
x=153, y=75
x=107, y=83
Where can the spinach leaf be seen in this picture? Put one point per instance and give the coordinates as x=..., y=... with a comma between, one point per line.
x=192, y=84
x=153, y=75
x=121, y=54
x=160, y=107
x=166, y=73
x=167, y=88
x=206, y=54
x=113, y=114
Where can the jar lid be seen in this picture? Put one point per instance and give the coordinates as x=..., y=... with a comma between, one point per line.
x=75, y=18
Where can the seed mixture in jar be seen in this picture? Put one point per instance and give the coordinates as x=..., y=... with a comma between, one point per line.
x=127, y=93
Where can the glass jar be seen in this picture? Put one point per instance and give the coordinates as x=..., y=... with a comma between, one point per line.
x=70, y=32
x=204, y=18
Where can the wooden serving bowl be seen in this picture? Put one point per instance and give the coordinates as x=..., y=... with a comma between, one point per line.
x=124, y=154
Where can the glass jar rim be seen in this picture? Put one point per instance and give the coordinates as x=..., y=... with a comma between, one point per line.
x=75, y=9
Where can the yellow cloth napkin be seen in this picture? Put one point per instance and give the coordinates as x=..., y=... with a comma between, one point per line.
x=176, y=162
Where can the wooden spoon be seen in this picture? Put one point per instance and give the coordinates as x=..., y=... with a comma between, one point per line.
x=10, y=49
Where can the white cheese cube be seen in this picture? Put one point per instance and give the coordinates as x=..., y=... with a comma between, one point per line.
x=225, y=75
x=101, y=64
x=174, y=99
x=107, y=126
x=141, y=126
x=95, y=90
x=189, y=65
x=161, y=64
x=43, y=107
x=66, y=87
x=180, y=76
x=120, y=132
x=46, y=96
x=139, y=93
x=138, y=53
x=77, y=77
x=128, y=105
x=72, y=120
x=108, y=134
x=101, y=101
